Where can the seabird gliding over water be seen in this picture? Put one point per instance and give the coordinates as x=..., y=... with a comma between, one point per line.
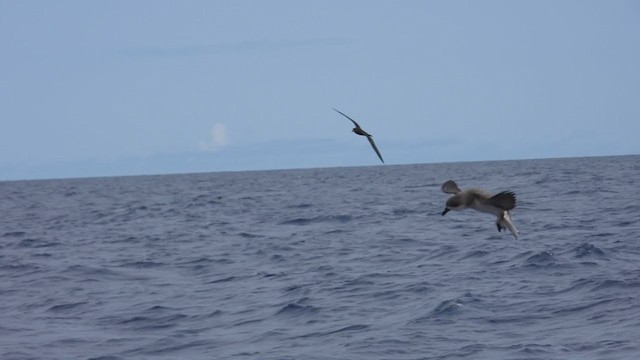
x=358, y=130
x=483, y=201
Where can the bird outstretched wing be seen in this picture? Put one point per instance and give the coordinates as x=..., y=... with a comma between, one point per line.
x=505, y=200
x=375, y=148
x=353, y=121
x=450, y=187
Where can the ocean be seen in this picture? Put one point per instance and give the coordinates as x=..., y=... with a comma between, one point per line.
x=318, y=264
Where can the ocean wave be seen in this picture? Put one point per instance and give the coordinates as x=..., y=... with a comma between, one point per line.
x=518, y=319
x=170, y=345
x=106, y=357
x=335, y=231
x=90, y=273
x=608, y=284
x=295, y=310
x=318, y=220
x=475, y=254
x=139, y=322
x=206, y=261
x=580, y=308
x=10, y=234
x=582, y=284
x=223, y=280
x=345, y=329
x=588, y=250
x=544, y=258
x=18, y=355
x=300, y=206
x=447, y=309
x=442, y=251
x=20, y=269
x=37, y=243
x=66, y=307
x=404, y=211
x=143, y=264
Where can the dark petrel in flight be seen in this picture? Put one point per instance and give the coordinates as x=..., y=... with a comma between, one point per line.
x=483, y=201
x=358, y=130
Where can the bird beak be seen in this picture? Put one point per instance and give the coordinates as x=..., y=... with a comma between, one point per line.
x=446, y=210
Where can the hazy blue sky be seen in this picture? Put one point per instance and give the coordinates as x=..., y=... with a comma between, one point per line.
x=114, y=87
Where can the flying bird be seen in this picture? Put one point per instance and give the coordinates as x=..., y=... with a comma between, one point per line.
x=358, y=130
x=483, y=201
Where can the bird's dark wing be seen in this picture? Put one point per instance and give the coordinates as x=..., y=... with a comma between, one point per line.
x=505, y=200
x=353, y=121
x=450, y=187
x=373, y=145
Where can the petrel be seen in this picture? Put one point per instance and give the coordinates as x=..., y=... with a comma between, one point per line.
x=483, y=201
x=358, y=130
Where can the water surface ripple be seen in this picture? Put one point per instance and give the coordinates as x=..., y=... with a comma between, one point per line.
x=343, y=263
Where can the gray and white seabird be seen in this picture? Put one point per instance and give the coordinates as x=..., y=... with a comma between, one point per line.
x=358, y=130
x=483, y=201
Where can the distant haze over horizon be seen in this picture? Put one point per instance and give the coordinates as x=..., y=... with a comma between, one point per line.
x=197, y=163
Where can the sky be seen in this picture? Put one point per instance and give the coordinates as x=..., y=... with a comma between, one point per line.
x=118, y=87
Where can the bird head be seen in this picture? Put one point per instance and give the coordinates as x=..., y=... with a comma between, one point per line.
x=453, y=203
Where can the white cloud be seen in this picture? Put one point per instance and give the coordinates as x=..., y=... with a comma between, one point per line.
x=217, y=140
x=219, y=135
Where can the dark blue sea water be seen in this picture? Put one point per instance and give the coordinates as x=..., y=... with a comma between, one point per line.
x=342, y=263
